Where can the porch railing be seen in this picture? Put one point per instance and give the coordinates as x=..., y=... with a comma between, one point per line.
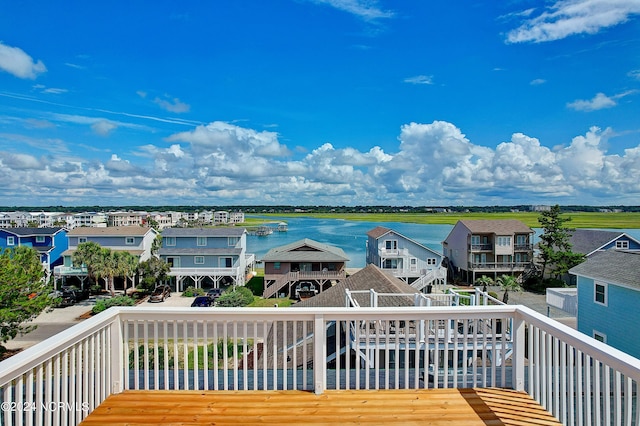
x=578, y=379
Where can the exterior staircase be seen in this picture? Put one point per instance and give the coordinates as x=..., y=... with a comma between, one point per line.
x=430, y=277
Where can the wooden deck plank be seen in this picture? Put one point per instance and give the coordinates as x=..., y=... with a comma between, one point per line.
x=466, y=407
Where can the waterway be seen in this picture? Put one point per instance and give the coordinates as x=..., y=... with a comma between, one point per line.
x=351, y=236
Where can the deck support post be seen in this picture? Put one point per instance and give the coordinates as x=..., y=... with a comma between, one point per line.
x=117, y=356
x=319, y=354
x=518, y=347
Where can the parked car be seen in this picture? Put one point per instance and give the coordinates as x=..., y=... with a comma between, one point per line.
x=214, y=293
x=203, y=302
x=160, y=293
x=75, y=293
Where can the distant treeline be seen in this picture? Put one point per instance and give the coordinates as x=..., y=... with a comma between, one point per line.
x=322, y=209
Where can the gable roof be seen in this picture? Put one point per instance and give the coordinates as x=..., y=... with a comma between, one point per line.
x=28, y=232
x=612, y=266
x=305, y=250
x=380, y=231
x=230, y=231
x=587, y=241
x=496, y=226
x=369, y=277
x=110, y=231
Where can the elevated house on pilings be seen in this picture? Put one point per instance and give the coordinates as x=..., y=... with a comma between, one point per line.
x=207, y=257
x=437, y=348
x=308, y=262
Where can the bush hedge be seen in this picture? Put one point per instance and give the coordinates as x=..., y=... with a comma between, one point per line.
x=193, y=292
x=104, y=304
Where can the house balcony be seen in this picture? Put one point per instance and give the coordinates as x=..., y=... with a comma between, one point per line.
x=69, y=271
x=498, y=266
x=386, y=253
x=480, y=247
x=203, y=272
x=523, y=247
x=467, y=365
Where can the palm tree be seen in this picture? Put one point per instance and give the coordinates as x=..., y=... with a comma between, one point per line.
x=89, y=254
x=484, y=281
x=508, y=282
x=127, y=267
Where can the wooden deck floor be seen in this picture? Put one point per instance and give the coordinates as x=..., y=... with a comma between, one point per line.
x=464, y=407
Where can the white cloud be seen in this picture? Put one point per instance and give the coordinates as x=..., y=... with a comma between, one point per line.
x=171, y=105
x=420, y=79
x=368, y=10
x=635, y=74
x=565, y=18
x=599, y=101
x=15, y=61
x=434, y=163
x=104, y=127
x=537, y=82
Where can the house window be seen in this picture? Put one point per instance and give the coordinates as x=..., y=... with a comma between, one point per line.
x=40, y=239
x=475, y=240
x=504, y=241
x=198, y=260
x=169, y=241
x=521, y=240
x=431, y=261
x=130, y=241
x=82, y=240
x=391, y=245
x=600, y=337
x=232, y=241
x=201, y=242
x=390, y=264
x=11, y=241
x=622, y=244
x=276, y=266
x=413, y=262
x=600, y=293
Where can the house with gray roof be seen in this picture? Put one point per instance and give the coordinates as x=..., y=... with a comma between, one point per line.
x=608, y=285
x=305, y=262
x=405, y=258
x=489, y=247
x=590, y=241
x=206, y=257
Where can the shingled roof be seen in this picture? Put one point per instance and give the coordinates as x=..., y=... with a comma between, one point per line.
x=586, y=241
x=612, y=266
x=497, y=226
x=369, y=278
x=305, y=250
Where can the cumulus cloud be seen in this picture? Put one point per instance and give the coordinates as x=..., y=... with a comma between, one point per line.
x=432, y=163
x=599, y=101
x=171, y=105
x=537, y=82
x=15, y=61
x=565, y=18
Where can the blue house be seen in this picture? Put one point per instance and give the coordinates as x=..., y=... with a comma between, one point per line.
x=206, y=257
x=49, y=242
x=590, y=241
x=412, y=262
x=608, y=298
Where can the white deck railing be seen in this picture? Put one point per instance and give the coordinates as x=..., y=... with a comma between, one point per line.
x=578, y=379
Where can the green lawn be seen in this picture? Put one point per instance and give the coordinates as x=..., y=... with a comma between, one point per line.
x=259, y=302
x=578, y=220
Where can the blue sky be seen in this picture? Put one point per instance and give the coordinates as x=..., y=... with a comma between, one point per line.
x=307, y=102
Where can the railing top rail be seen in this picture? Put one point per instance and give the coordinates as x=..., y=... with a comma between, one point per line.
x=31, y=357
x=618, y=360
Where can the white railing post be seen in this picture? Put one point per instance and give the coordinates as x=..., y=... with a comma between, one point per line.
x=320, y=353
x=117, y=356
x=518, y=347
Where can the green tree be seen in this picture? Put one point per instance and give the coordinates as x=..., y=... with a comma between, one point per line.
x=88, y=255
x=156, y=245
x=555, y=247
x=508, y=283
x=152, y=271
x=127, y=266
x=484, y=281
x=23, y=291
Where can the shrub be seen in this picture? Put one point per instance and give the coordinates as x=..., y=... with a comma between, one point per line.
x=493, y=294
x=256, y=285
x=102, y=305
x=193, y=292
x=240, y=296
